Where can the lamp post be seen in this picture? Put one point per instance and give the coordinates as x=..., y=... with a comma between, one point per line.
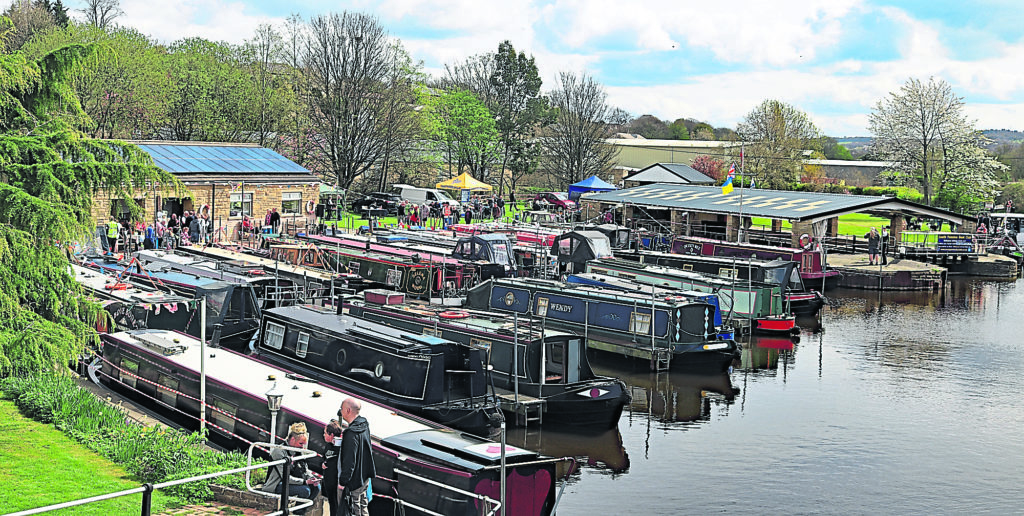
x=274, y=404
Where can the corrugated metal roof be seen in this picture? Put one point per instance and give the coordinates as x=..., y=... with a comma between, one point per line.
x=187, y=158
x=670, y=173
x=776, y=204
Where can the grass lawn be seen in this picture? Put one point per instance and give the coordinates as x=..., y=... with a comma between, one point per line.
x=42, y=466
x=856, y=224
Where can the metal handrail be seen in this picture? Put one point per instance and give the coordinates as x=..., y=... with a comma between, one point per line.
x=148, y=488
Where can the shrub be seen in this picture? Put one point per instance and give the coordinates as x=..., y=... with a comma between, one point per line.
x=151, y=454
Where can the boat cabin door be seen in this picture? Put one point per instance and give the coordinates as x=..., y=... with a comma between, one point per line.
x=562, y=361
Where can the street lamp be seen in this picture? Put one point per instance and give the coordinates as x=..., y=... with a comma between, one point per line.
x=274, y=404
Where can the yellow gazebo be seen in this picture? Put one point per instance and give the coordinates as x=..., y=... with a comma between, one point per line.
x=464, y=181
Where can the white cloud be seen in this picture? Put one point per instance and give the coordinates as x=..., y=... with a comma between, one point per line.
x=216, y=20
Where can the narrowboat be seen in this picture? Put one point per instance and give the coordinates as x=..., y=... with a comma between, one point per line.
x=550, y=366
x=233, y=312
x=497, y=265
x=668, y=330
x=419, y=275
x=132, y=306
x=575, y=249
x=287, y=266
x=435, y=378
x=800, y=299
x=812, y=267
x=531, y=259
x=759, y=304
x=429, y=468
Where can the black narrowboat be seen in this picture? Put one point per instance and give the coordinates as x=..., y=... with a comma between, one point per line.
x=429, y=468
x=438, y=379
x=552, y=366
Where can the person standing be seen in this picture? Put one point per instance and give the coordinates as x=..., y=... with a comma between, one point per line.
x=112, y=230
x=873, y=241
x=302, y=482
x=355, y=464
x=329, y=485
x=275, y=220
x=885, y=244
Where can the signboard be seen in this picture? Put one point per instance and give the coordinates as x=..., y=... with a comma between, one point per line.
x=955, y=244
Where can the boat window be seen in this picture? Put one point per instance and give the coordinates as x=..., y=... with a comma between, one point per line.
x=727, y=272
x=564, y=246
x=640, y=323
x=501, y=254
x=222, y=414
x=128, y=371
x=602, y=248
x=542, y=307
x=167, y=391
x=275, y=336
x=302, y=345
x=554, y=362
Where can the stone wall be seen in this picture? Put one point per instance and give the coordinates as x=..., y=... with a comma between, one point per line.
x=218, y=198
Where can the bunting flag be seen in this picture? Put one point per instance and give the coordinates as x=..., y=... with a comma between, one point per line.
x=727, y=185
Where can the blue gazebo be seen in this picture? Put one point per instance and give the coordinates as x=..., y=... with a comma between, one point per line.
x=590, y=184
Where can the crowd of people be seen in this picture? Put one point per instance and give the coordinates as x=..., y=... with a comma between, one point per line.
x=347, y=471
x=440, y=214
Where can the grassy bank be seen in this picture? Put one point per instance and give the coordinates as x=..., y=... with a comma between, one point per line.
x=42, y=466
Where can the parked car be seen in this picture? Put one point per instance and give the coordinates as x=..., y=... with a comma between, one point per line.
x=558, y=200
x=417, y=195
x=387, y=201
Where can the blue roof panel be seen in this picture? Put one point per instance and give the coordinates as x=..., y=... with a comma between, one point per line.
x=228, y=159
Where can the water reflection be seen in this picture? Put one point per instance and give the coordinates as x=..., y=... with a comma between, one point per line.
x=602, y=453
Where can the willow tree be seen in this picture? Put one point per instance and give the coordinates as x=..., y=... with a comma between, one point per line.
x=49, y=174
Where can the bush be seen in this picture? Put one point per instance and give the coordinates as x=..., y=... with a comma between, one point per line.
x=151, y=454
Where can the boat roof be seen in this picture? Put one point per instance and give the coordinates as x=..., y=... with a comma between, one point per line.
x=329, y=320
x=172, y=276
x=497, y=323
x=425, y=256
x=251, y=377
x=96, y=280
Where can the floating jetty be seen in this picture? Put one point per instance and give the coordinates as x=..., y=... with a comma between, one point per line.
x=904, y=274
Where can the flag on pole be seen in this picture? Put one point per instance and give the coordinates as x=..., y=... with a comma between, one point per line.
x=727, y=185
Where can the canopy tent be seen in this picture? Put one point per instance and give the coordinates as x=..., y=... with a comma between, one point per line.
x=464, y=181
x=590, y=184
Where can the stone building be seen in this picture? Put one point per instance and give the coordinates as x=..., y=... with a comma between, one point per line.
x=225, y=179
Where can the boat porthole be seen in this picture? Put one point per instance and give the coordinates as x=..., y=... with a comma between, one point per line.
x=378, y=370
x=341, y=357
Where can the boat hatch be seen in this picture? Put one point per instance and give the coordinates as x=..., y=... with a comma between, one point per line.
x=162, y=342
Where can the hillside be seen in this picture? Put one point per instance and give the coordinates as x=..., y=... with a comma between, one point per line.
x=858, y=145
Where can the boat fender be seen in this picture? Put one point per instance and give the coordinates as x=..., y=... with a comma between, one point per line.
x=309, y=206
x=453, y=314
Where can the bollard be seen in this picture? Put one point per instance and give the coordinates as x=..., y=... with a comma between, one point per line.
x=147, y=499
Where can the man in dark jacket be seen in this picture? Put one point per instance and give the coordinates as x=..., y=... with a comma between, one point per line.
x=355, y=464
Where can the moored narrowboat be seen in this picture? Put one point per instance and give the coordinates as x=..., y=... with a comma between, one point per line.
x=760, y=305
x=551, y=366
x=429, y=468
x=811, y=262
x=435, y=378
x=676, y=331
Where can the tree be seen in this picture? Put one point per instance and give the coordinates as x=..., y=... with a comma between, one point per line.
x=575, y=146
x=261, y=56
x=123, y=87
x=1012, y=155
x=679, y=130
x=1012, y=192
x=399, y=125
x=775, y=136
x=211, y=98
x=49, y=177
x=709, y=166
x=27, y=18
x=461, y=130
x=923, y=129
x=702, y=131
x=833, y=150
x=650, y=127
x=347, y=64
x=102, y=13
x=519, y=108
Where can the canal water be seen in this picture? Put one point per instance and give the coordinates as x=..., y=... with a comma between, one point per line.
x=898, y=403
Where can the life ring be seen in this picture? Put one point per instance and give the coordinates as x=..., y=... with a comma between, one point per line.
x=309, y=206
x=805, y=240
x=453, y=314
x=204, y=210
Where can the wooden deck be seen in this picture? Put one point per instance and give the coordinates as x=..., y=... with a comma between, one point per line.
x=897, y=274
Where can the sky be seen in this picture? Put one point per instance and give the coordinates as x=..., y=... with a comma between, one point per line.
x=711, y=61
